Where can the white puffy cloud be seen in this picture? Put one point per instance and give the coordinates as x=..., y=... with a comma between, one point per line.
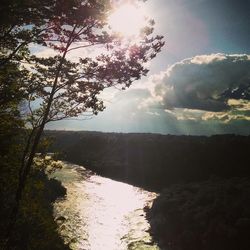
x=205, y=82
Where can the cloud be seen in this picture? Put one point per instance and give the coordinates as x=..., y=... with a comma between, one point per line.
x=125, y=113
x=205, y=82
x=146, y=106
x=239, y=110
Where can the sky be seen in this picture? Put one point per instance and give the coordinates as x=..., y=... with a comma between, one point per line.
x=198, y=85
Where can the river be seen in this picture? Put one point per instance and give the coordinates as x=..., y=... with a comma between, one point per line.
x=101, y=214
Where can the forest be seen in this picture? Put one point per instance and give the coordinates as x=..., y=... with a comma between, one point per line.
x=155, y=161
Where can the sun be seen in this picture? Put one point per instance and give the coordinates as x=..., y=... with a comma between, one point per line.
x=127, y=20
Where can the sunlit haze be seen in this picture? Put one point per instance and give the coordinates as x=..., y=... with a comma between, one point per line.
x=127, y=20
x=206, y=54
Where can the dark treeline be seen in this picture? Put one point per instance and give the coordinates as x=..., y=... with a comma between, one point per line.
x=155, y=161
x=208, y=215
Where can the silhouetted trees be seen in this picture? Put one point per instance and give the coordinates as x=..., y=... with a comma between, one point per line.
x=210, y=215
x=156, y=161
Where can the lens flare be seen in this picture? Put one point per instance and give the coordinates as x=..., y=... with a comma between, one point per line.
x=127, y=20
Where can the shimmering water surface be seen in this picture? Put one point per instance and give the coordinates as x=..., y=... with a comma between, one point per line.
x=101, y=214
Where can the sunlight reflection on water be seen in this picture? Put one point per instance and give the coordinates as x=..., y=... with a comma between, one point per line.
x=101, y=214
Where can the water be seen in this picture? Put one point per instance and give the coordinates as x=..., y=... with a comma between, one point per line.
x=101, y=214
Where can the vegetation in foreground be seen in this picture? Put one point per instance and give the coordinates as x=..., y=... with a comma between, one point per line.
x=35, y=227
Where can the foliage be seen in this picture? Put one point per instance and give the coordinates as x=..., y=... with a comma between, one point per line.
x=210, y=215
x=65, y=88
x=47, y=164
x=35, y=227
x=55, y=87
x=27, y=21
x=10, y=126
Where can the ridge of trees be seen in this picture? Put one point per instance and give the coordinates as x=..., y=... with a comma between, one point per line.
x=155, y=161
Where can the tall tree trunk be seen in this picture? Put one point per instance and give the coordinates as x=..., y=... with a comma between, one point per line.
x=25, y=170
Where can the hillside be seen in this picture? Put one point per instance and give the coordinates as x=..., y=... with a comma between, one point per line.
x=155, y=161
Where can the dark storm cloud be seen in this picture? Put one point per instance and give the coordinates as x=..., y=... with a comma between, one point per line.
x=205, y=82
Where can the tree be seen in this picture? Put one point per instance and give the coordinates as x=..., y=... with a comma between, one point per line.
x=65, y=88
x=25, y=22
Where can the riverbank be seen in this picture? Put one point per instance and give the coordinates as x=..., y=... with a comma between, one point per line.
x=35, y=227
x=210, y=215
